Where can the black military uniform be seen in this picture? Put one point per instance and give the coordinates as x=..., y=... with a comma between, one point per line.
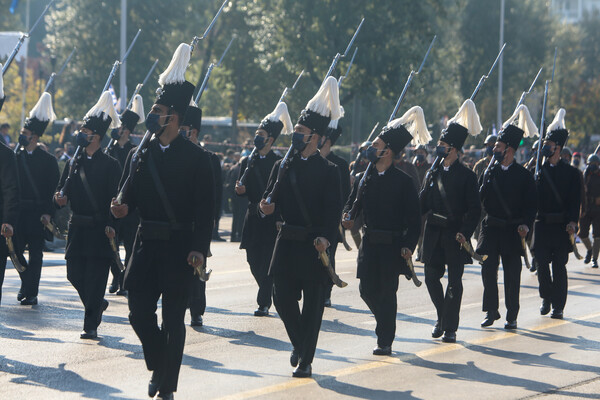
x=590, y=215
x=9, y=199
x=392, y=221
x=176, y=209
x=455, y=210
x=88, y=252
x=559, y=200
x=509, y=199
x=239, y=205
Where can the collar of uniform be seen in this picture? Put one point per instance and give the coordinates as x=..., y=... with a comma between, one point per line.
x=262, y=157
x=316, y=153
x=164, y=148
x=506, y=167
x=447, y=168
x=384, y=172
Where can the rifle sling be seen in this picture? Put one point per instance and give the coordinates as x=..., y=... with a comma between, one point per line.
x=299, y=200
x=161, y=189
x=89, y=192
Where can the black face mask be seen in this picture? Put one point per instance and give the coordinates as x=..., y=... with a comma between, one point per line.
x=420, y=158
x=499, y=155
x=547, y=150
x=115, y=134
x=576, y=162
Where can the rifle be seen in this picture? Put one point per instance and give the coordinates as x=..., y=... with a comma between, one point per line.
x=542, y=129
x=357, y=205
x=209, y=72
x=24, y=36
x=337, y=57
x=359, y=154
x=55, y=75
x=74, y=162
x=135, y=159
x=114, y=140
x=438, y=159
x=254, y=153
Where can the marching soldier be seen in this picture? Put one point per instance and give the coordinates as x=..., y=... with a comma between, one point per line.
x=507, y=192
x=334, y=131
x=420, y=162
x=451, y=199
x=172, y=189
x=259, y=232
x=392, y=224
x=308, y=199
x=88, y=252
x=39, y=176
x=128, y=225
x=481, y=165
x=591, y=211
x=559, y=200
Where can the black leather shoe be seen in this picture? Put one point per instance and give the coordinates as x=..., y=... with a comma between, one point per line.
x=91, y=334
x=122, y=292
x=588, y=257
x=595, y=264
x=302, y=371
x=533, y=265
x=437, y=330
x=261, y=312
x=557, y=314
x=449, y=337
x=217, y=238
x=490, y=317
x=510, y=324
x=154, y=383
x=294, y=358
x=20, y=296
x=29, y=301
x=196, y=320
x=545, y=307
x=114, y=286
x=327, y=303
x=382, y=351
x=165, y=396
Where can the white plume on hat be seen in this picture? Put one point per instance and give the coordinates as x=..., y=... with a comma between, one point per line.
x=333, y=124
x=138, y=107
x=43, y=110
x=414, y=122
x=105, y=105
x=175, y=72
x=281, y=113
x=327, y=100
x=523, y=121
x=1, y=84
x=558, y=122
x=467, y=116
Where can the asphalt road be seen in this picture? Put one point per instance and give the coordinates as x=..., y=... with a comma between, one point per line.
x=238, y=356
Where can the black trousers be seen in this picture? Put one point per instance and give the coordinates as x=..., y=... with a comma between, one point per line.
x=302, y=327
x=590, y=218
x=197, y=300
x=332, y=251
x=30, y=278
x=448, y=305
x=88, y=276
x=553, y=286
x=125, y=235
x=511, y=265
x=259, y=259
x=3, y=258
x=163, y=346
x=378, y=289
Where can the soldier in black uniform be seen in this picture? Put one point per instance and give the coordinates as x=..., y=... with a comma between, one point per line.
x=334, y=131
x=128, y=225
x=591, y=211
x=309, y=201
x=173, y=190
x=259, y=232
x=451, y=197
x=392, y=224
x=88, y=252
x=39, y=176
x=559, y=201
x=9, y=199
x=507, y=192
x=422, y=165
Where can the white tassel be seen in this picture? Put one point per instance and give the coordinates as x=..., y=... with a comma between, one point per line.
x=335, y=122
x=138, y=108
x=414, y=122
x=43, y=110
x=467, y=116
x=1, y=84
x=105, y=105
x=558, y=122
x=281, y=113
x=175, y=72
x=524, y=121
x=327, y=100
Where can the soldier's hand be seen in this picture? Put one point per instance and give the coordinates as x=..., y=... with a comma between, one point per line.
x=571, y=228
x=45, y=219
x=239, y=189
x=195, y=259
x=352, y=179
x=460, y=238
x=110, y=232
x=7, y=230
x=118, y=210
x=406, y=253
x=266, y=208
x=523, y=230
x=278, y=225
x=347, y=223
x=321, y=244
x=61, y=201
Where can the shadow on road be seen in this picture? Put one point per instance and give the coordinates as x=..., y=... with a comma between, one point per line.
x=347, y=389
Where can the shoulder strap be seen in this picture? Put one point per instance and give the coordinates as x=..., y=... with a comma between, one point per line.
x=552, y=187
x=501, y=199
x=88, y=191
x=36, y=193
x=298, y=196
x=443, y=195
x=160, y=189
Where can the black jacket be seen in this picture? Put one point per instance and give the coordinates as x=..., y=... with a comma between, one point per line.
x=120, y=153
x=9, y=187
x=318, y=184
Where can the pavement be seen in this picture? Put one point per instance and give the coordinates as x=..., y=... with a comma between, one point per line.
x=238, y=356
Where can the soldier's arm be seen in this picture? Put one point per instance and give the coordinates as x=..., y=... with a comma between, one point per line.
x=9, y=182
x=204, y=204
x=574, y=197
x=411, y=202
x=353, y=192
x=114, y=175
x=529, y=200
x=473, y=213
x=53, y=175
x=332, y=204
